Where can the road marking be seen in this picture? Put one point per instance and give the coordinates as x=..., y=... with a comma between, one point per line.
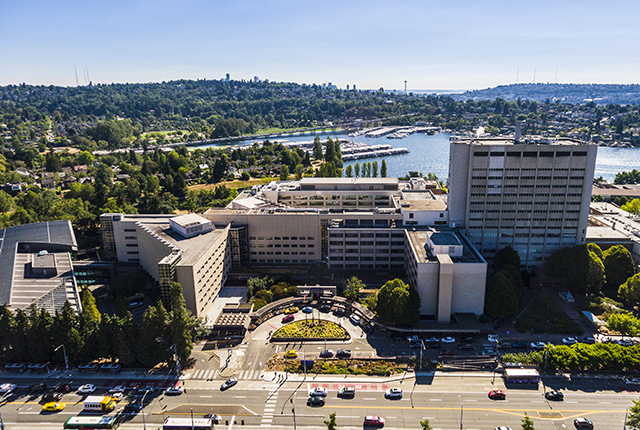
x=206, y=397
x=370, y=398
x=239, y=397
x=435, y=400
x=604, y=403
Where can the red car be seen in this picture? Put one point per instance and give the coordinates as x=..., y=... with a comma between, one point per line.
x=288, y=318
x=497, y=395
x=373, y=421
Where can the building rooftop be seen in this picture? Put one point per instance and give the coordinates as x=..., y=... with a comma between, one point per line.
x=419, y=201
x=445, y=238
x=189, y=220
x=504, y=140
x=418, y=239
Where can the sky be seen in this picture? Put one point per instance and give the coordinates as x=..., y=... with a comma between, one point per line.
x=433, y=45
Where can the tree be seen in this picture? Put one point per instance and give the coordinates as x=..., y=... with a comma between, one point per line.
x=317, y=148
x=356, y=169
x=181, y=327
x=527, y=424
x=596, y=250
x=578, y=267
x=331, y=422
x=284, y=173
x=619, y=267
x=501, y=297
x=348, y=171
x=625, y=324
x=383, y=169
x=353, y=288
x=425, y=425
x=398, y=302
x=299, y=172
x=629, y=292
x=85, y=157
x=633, y=418
x=374, y=169
x=504, y=256
x=6, y=202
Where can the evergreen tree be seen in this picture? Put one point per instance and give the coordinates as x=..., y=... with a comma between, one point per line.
x=317, y=148
x=374, y=169
x=348, y=172
x=383, y=169
x=356, y=169
x=181, y=325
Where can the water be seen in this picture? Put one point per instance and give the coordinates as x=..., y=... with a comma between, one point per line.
x=430, y=154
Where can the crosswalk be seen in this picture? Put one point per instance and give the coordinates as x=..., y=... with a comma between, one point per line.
x=269, y=407
x=205, y=374
x=208, y=374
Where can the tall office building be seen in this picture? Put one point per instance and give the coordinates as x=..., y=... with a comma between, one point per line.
x=531, y=194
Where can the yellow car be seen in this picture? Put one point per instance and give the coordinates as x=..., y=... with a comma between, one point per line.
x=53, y=407
x=291, y=310
x=291, y=354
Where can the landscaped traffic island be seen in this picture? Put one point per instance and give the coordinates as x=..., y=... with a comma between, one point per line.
x=312, y=329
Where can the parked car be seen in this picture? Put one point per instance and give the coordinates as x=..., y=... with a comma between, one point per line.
x=493, y=338
x=86, y=389
x=347, y=392
x=288, y=318
x=569, y=340
x=468, y=339
x=315, y=401
x=631, y=381
x=325, y=308
x=339, y=312
x=537, y=345
x=327, y=353
x=554, y=395
x=625, y=342
x=519, y=344
x=319, y=391
x=136, y=304
x=291, y=354
x=7, y=388
x=497, y=395
x=343, y=353
x=373, y=421
x=448, y=339
x=228, y=383
x=489, y=353
x=291, y=310
x=53, y=407
x=355, y=319
x=307, y=309
x=132, y=407
x=502, y=428
x=466, y=346
x=582, y=423
x=393, y=393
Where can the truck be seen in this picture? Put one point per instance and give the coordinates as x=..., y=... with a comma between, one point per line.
x=99, y=404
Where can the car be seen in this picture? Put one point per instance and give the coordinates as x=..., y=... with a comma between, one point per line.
x=393, y=393
x=118, y=389
x=537, y=345
x=41, y=387
x=414, y=338
x=355, y=319
x=448, y=339
x=347, y=392
x=117, y=396
x=569, y=340
x=631, y=381
x=51, y=396
x=502, y=428
x=307, y=309
x=489, y=353
x=503, y=344
x=86, y=389
x=288, y=318
x=625, y=342
x=228, y=383
x=327, y=353
x=147, y=388
x=53, y=407
x=7, y=388
x=339, y=312
x=291, y=310
x=315, y=401
x=136, y=304
x=468, y=339
x=325, y=308
x=132, y=407
x=493, y=338
x=582, y=423
x=446, y=352
x=432, y=344
x=319, y=391
x=554, y=395
x=467, y=346
x=62, y=388
x=368, y=328
x=291, y=354
x=176, y=390
x=373, y=421
x=343, y=353
x=588, y=339
x=432, y=340
x=217, y=419
x=519, y=344
x=497, y=395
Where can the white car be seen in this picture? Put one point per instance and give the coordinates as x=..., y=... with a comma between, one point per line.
x=393, y=393
x=569, y=340
x=448, y=339
x=355, y=319
x=117, y=396
x=7, y=388
x=493, y=338
x=537, y=345
x=631, y=381
x=86, y=389
x=319, y=391
x=625, y=342
x=117, y=389
x=176, y=390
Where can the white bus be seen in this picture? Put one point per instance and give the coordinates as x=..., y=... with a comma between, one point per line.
x=521, y=376
x=188, y=424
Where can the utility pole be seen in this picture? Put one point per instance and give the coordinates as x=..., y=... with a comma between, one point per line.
x=64, y=352
x=293, y=409
x=144, y=422
x=461, y=411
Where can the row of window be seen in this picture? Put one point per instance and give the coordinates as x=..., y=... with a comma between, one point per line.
x=282, y=253
x=281, y=238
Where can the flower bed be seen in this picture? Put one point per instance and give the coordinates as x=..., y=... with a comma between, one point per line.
x=316, y=329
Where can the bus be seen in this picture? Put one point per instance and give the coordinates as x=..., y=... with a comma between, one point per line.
x=521, y=376
x=188, y=424
x=88, y=423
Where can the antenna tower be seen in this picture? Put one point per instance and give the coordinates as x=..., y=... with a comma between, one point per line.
x=405, y=87
x=75, y=69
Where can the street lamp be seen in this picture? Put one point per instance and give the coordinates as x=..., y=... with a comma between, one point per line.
x=144, y=422
x=293, y=409
x=64, y=352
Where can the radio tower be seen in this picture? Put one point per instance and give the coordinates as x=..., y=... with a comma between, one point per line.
x=405, y=87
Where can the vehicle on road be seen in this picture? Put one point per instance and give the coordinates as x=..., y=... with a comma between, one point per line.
x=136, y=304
x=347, y=392
x=117, y=396
x=448, y=339
x=554, y=395
x=291, y=310
x=99, y=404
x=217, y=419
x=307, y=310
x=519, y=375
x=497, y=395
x=631, y=381
x=355, y=319
x=86, y=389
x=319, y=391
x=288, y=318
x=537, y=345
x=625, y=342
x=228, y=383
x=502, y=428
x=176, y=390
x=393, y=393
x=132, y=407
x=186, y=423
x=519, y=344
x=493, y=338
x=325, y=308
x=569, y=340
x=147, y=388
x=291, y=354
x=86, y=422
x=339, y=312
x=343, y=353
x=38, y=387
x=489, y=353
x=52, y=396
x=118, y=389
x=7, y=388
x=315, y=401
x=53, y=407
x=327, y=353
x=62, y=388
x=582, y=423
x=373, y=421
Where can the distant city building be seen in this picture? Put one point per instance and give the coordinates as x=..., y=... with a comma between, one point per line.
x=532, y=194
x=255, y=79
x=227, y=78
x=347, y=87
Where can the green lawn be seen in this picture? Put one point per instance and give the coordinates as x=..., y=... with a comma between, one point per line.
x=544, y=315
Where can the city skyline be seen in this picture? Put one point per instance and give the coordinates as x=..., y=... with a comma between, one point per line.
x=369, y=44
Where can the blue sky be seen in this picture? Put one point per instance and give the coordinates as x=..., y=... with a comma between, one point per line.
x=373, y=44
